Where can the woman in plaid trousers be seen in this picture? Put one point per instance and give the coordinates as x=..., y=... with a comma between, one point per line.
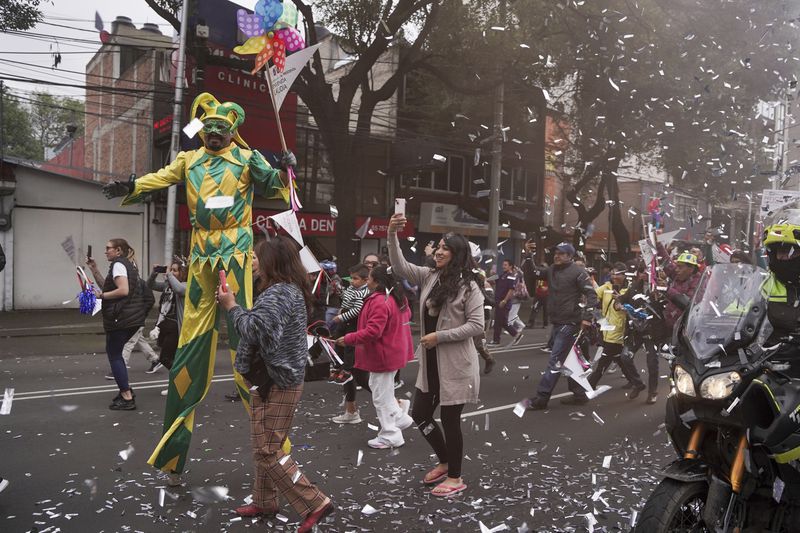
x=272, y=358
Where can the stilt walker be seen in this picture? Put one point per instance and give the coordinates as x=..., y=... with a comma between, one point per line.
x=220, y=180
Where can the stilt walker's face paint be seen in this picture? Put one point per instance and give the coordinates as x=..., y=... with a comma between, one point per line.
x=218, y=134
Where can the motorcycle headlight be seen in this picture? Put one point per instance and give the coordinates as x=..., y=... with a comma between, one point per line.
x=719, y=386
x=684, y=383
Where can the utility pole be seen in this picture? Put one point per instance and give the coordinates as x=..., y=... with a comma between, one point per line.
x=497, y=168
x=177, y=112
x=497, y=157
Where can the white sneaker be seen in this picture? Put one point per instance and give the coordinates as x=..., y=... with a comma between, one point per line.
x=379, y=444
x=164, y=392
x=399, y=384
x=347, y=418
x=518, y=338
x=405, y=422
x=612, y=368
x=405, y=405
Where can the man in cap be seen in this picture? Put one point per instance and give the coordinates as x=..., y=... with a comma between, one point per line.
x=568, y=283
x=220, y=180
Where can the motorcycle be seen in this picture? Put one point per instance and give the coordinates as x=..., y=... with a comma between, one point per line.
x=733, y=416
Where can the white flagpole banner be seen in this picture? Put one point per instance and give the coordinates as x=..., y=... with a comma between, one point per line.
x=362, y=231
x=311, y=263
x=282, y=81
x=288, y=221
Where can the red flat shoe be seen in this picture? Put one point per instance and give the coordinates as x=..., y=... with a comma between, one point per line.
x=252, y=510
x=314, y=518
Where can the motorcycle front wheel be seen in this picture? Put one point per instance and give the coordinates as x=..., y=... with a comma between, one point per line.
x=675, y=507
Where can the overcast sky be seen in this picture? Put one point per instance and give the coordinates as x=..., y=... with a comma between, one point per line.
x=17, y=59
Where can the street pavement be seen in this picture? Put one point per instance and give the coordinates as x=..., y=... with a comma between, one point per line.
x=74, y=465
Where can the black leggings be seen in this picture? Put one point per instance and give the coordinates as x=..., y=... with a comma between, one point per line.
x=360, y=377
x=449, y=447
x=168, y=341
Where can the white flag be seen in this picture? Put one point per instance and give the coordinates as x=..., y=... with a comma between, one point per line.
x=362, y=231
x=282, y=81
x=288, y=221
x=310, y=262
x=580, y=371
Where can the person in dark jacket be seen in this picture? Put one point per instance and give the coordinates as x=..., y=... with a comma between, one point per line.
x=271, y=356
x=567, y=283
x=123, y=310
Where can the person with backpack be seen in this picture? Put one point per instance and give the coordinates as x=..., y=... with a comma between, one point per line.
x=504, y=293
x=124, y=312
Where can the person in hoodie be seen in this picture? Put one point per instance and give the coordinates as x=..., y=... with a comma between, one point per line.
x=384, y=346
x=567, y=284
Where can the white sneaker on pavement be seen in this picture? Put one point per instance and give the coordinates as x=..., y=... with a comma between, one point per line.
x=164, y=392
x=154, y=367
x=379, y=444
x=347, y=418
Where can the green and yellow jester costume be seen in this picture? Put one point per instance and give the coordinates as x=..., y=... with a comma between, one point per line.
x=222, y=239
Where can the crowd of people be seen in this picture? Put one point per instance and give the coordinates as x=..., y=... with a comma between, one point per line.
x=367, y=316
x=364, y=319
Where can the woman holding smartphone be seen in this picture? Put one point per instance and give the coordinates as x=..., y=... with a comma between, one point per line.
x=123, y=313
x=272, y=356
x=451, y=314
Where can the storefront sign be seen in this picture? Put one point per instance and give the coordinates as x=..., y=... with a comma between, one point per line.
x=441, y=218
x=312, y=224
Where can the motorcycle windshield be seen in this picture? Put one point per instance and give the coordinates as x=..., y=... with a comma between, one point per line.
x=727, y=310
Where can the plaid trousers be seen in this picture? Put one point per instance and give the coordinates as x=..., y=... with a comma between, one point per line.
x=275, y=472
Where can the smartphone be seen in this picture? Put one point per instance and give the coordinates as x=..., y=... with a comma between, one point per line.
x=400, y=206
x=89, y=252
x=160, y=269
x=223, y=281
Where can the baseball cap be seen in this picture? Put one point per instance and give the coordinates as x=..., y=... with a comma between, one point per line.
x=565, y=247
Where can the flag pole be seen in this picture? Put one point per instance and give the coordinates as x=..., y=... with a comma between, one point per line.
x=268, y=75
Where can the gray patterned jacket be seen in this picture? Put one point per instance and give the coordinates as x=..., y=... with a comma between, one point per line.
x=275, y=329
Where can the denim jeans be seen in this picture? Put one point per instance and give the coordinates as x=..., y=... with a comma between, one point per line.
x=562, y=337
x=115, y=341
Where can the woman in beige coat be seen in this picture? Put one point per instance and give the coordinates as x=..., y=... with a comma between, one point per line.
x=451, y=314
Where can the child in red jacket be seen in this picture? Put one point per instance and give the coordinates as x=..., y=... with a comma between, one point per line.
x=383, y=346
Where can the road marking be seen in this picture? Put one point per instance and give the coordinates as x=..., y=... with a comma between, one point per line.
x=109, y=389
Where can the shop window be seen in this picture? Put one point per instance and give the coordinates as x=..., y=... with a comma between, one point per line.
x=447, y=178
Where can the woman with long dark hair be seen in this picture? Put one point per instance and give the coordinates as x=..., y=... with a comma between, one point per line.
x=272, y=357
x=384, y=346
x=123, y=313
x=451, y=309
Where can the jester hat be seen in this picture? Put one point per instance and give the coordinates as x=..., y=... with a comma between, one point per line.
x=229, y=112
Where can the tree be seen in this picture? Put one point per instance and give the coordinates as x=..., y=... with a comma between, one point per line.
x=672, y=83
x=17, y=137
x=51, y=115
x=368, y=28
x=19, y=15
